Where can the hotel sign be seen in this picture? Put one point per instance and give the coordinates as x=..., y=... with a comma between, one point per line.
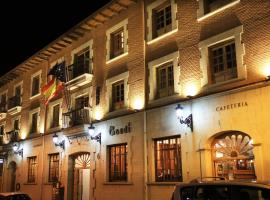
x=232, y=106
x=117, y=131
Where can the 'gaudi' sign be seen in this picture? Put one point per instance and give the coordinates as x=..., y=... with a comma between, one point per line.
x=231, y=106
x=117, y=131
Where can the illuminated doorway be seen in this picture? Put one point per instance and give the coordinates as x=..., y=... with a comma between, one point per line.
x=79, y=176
x=233, y=156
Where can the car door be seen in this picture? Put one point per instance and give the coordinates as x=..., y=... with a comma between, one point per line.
x=249, y=193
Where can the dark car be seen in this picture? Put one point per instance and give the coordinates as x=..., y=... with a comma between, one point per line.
x=14, y=196
x=222, y=190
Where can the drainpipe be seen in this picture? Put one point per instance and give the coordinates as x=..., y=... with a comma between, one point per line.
x=200, y=154
x=145, y=155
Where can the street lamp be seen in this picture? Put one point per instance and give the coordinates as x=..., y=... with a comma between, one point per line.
x=91, y=131
x=188, y=120
x=17, y=150
x=57, y=143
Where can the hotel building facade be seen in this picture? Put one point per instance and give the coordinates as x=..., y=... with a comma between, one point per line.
x=174, y=89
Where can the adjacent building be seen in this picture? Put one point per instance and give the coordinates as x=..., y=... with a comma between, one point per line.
x=171, y=90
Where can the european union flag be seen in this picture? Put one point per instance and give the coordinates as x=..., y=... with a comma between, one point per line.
x=59, y=71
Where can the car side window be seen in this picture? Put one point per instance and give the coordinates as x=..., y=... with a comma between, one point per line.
x=187, y=193
x=212, y=192
x=250, y=193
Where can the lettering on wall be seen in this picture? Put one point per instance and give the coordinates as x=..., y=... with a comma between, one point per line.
x=117, y=131
x=232, y=106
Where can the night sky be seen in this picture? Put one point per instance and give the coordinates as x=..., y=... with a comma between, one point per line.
x=28, y=26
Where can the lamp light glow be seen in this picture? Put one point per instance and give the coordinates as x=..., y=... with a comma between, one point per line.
x=91, y=130
x=138, y=104
x=55, y=138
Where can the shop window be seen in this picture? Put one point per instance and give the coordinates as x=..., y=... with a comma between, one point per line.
x=53, y=167
x=118, y=162
x=118, y=95
x=32, y=169
x=117, y=40
x=208, y=7
x=165, y=81
x=233, y=156
x=223, y=62
x=35, y=84
x=161, y=18
x=168, y=165
x=55, y=116
x=222, y=58
x=164, y=76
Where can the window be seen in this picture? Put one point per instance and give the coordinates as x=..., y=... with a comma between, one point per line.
x=162, y=22
x=3, y=102
x=118, y=162
x=168, y=165
x=34, y=122
x=117, y=38
x=32, y=165
x=54, y=167
x=35, y=87
x=117, y=43
x=164, y=76
x=55, y=116
x=165, y=81
x=118, y=95
x=209, y=7
x=18, y=94
x=98, y=95
x=161, y=19
x=117, y=91
x=81, y=63
x=16, y=124
x=222, y=57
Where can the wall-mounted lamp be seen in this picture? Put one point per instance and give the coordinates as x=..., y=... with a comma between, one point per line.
x=17, y=150
x=57, y=143
x=91, y=131
x=179, y=113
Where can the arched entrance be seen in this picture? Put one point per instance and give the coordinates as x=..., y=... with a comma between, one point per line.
x=11, y=176
x=79, y=176
x=233, y=155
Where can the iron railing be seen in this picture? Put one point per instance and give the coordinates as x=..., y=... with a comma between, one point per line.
x=14, y=101
x=76, y=117
x=76, y=70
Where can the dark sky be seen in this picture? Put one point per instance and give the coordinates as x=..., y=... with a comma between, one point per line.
x=28, y=26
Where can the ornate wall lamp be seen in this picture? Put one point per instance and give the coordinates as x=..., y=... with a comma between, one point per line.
x=91, y=131
x=179, y=113
x=57, y=143
x=17, y=150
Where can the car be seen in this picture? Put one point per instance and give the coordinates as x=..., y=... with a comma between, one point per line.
x=14, y=196
x=222, y=189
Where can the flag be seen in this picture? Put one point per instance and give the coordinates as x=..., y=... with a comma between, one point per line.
x=51, y=89
x=59, y=71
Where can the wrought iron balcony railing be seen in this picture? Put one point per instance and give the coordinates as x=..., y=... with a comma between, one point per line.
x=14, y=101
x=3, y=108
x=78, y=69
x=76, y=117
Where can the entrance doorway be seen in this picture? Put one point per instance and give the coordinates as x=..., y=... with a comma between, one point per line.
x=233, y=156
x=11, y=176
x=79, y=176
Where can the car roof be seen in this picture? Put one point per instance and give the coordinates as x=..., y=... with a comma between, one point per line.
x=10, y=193
x=263, y=184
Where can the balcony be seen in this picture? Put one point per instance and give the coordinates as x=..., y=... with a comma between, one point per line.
x=3, y=111
x=79, y=75
x=13, y=136
x=76, y=121
x=14, y=105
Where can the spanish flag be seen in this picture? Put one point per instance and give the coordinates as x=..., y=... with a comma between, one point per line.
x=51, y=89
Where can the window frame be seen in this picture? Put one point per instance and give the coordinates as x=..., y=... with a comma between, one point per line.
x=6, y=103
x=179, y=163
x=56, y=170
x=153, y=65
x=204, y=46
x=149, y=22
x=32, y=169
x=31, y=113
x=124, y=174
x=37, y=74
x=109, y=33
